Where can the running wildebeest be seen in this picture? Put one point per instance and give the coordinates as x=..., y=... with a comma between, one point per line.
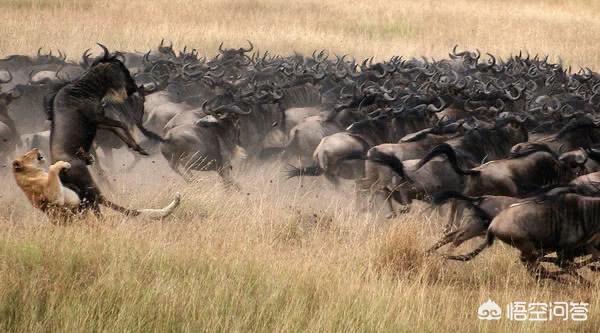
x=566, y=224
x=77, y=111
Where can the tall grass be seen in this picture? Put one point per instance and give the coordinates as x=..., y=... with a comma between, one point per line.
x=277, y=256
x=380, y=28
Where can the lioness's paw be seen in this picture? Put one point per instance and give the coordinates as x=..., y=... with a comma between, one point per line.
x=64, y=165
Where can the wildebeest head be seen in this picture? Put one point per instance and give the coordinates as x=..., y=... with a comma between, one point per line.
x=581, y=161
x=114, y=77
x=232, y=53
x=226, y=123
x=512, y=129
x=574, y=159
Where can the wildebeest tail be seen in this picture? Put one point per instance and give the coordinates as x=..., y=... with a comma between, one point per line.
x=151, y=213
x=489, y=241
x=390, y=161
x=313, y=170
x=448, y=151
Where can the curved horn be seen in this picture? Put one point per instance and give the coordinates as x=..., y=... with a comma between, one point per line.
x=106, y=52
x=443, y=104
x=248, y=50
x=85, y=58
x=10, y=77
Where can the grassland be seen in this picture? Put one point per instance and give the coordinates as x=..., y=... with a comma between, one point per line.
x=278, y=256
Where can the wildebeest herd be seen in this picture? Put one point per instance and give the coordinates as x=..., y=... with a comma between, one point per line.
x=516, y=142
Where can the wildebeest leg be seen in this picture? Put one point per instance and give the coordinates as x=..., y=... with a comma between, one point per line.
x=228, y=181
x=79, y=179
x=447, y=238
x=122, y=132
x=381, y=198
x=530, y=257
x=360, y=196
x=473, y=229
x=400, y=197
x=332, y=179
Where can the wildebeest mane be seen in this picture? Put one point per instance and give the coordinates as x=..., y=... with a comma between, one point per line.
x=576, y=124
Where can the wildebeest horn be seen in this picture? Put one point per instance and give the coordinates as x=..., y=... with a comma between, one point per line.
x=514, y=97
x=85, y=58
x=500, y=107
x=10, y=77
x=237, y=110
x=247, y=50
x=382, y=75
x=443, y=104
x=221, y=47
x=39, y=52
x=492, y=61
x=458, y=54
x=106, y=52
x=389, y=98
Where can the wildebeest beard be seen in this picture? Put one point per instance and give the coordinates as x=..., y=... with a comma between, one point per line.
x=78, y=110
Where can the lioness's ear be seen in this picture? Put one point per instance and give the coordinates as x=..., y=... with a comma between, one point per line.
x=17, y=165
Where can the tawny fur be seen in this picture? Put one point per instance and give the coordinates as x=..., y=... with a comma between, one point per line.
x=43, y=188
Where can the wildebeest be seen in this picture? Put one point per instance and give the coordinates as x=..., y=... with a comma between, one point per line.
x=420, y=178
x=209, y=143
x=565, y=224
x=77, y=111
x=28, y=109
x=412, y=146
x=581, y=132
x=484, y=209
x=342, y=154
x=587, y=160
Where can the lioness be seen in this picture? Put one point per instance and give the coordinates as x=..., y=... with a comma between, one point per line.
x=43, y=189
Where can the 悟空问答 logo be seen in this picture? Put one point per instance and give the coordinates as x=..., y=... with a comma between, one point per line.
x=489, y=310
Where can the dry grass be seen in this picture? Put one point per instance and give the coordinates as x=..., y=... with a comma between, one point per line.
x=381, y=28
x=277, y=256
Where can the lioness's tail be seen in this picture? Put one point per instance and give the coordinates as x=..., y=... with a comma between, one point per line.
x=151, y=213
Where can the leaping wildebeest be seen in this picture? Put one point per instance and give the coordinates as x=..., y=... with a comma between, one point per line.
x=77, y=111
